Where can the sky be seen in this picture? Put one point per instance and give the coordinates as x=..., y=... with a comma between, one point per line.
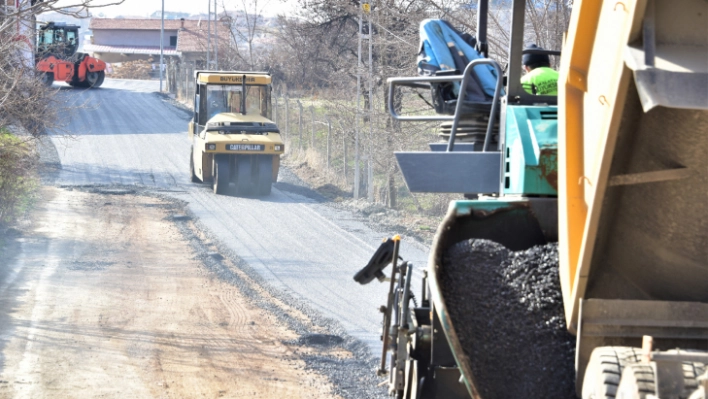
x=143, y=8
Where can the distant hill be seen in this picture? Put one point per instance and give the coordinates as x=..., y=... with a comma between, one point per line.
x=171, y=15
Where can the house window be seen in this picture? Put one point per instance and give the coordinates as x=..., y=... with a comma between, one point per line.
x=173, y=41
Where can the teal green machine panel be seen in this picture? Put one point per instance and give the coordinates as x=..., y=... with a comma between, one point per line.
x=531, y=144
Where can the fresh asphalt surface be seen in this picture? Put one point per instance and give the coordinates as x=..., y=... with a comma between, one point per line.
x=125, y=134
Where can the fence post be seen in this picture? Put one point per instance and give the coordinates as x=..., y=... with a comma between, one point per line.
x=299, y=104
x=287, y=116
x=344, y=140
x=312, y=139
x=275, y=111
x=329, y=133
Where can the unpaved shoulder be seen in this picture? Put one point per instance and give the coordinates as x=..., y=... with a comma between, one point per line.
x=108, y=298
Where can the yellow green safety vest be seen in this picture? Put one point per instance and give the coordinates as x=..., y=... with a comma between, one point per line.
x=542, y=81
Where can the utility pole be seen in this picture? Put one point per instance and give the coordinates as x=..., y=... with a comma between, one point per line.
x=358, y=107
x=370, y=177
x=208, y=34
x=216, y=37
x=365, y=9
x=162, y=41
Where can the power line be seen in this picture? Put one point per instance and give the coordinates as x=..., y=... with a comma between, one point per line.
x=394, y=35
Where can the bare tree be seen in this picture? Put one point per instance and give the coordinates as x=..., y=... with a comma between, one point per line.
x=315, y=55
x=245, y=27
x=27, y=107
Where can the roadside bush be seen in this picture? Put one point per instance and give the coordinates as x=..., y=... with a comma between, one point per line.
x=18, y=180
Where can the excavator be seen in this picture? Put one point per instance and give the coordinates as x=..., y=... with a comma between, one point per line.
x=611, y=172
x=57, y=60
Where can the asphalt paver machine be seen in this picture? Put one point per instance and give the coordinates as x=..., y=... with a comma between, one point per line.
x=613, y=170
x=501, y=152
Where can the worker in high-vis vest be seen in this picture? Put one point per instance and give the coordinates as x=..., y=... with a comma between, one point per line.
x=540, y=78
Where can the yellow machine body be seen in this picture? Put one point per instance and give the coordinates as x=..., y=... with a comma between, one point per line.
x=232, y=130
x=633, y=179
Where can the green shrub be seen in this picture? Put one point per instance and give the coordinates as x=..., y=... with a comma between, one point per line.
x=18, y=179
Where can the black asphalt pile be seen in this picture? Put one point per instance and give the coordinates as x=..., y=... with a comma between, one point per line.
x=507, y=309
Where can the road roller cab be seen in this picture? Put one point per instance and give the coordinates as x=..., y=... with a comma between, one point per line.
x=235, y=144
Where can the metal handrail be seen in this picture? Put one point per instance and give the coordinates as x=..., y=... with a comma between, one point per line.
x=455, y=118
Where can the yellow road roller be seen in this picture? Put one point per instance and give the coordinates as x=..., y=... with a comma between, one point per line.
x=235, y=144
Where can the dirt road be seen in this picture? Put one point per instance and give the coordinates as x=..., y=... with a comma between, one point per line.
x=107, y=295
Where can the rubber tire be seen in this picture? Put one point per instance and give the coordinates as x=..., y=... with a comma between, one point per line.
x=637, y=382
x=245, y=185
x=691, y=373
x=604, y=370
x=222, y=174
x=265, y=174
x=193, y=176
x=47, y=78
x=94, y=79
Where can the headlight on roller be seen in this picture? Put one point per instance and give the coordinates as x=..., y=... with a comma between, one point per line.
x=211, y=147
x=278, y=147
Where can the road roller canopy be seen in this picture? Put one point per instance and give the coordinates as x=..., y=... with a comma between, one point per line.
x=57, y=38
x=244, y=93
x=234, y=78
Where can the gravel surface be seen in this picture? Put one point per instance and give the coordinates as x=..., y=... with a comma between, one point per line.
x=101, y=296
x=412, y=226
x=507, y=310
x=352, y=376
x=293, y=242
x=125, y=135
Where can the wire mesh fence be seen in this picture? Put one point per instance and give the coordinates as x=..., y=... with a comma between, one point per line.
x=312, y=133
x=180, y=81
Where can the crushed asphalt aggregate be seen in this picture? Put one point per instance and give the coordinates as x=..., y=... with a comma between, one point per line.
x=507, y=310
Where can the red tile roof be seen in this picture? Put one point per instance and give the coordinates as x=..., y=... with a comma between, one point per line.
x=191, y=41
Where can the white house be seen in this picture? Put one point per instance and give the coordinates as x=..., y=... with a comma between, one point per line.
x=119, y=40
